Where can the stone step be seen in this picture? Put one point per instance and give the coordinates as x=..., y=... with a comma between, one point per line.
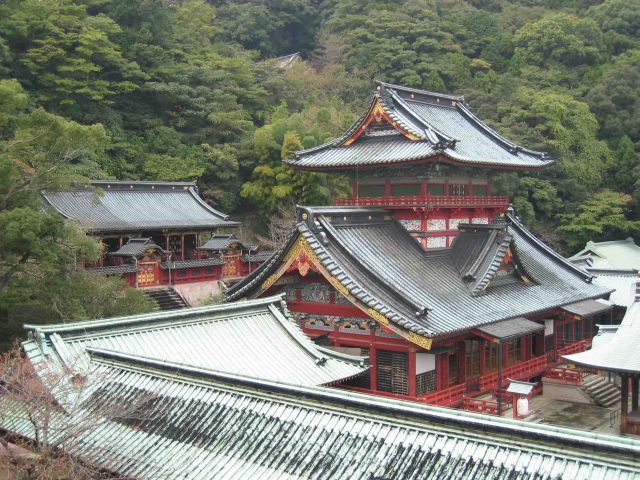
x=591, y=380
x=601, y=391
x=166, y=298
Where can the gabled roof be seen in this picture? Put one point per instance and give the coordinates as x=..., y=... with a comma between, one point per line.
x=129, y=206
x=372, y=260
x=136, y=247
x=420, y=125
x=619, y=354
x=215, y=425
x=254, y=339
x=615, y=254
x=222, y=242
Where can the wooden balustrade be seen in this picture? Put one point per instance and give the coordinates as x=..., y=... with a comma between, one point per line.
x=575, y=347
x=431, y=200
x=486, y=406
x=569, y=375
x=446, y=397
x=526, y=369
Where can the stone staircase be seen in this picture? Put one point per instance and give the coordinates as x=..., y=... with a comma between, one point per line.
x=166, y=298
x=601, y=391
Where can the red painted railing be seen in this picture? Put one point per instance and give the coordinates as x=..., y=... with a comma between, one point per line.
x=431, y=200
x=445, y=397
x=526, y=369
x=486, y=406
x=569, y=375
x=575, y=347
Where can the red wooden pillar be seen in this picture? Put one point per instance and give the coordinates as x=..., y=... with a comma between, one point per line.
x=462, y=363
x=483, y=357
x=505, y=354
x=387, y=188
x=412, y=373
x=373, y=371
x=423, y=188
x=624, y=402
x=634, y=393
x=446, y=187
x=182, y=247
x=469, y=188
x=354, y=189
x=442, y=371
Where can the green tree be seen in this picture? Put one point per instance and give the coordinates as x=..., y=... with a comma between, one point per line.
x=566, y=127
x=620, y=20
x=615, y=98
x=600, y=217
x=67, y=56
x=39, y=251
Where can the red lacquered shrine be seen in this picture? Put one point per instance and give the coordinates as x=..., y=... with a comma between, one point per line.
x=439, y=326
x=426, y=157
x=156, y=233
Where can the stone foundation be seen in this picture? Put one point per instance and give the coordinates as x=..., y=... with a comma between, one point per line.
x=559, y=390
x=200, y=293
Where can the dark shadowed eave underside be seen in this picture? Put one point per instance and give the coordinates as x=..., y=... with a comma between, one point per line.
x=137, y=206
x=428, y=125
x=385, y=269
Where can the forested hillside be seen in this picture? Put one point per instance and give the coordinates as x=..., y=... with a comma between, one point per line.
x=182, y=90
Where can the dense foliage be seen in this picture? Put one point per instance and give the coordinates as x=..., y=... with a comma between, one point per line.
x=177, y=90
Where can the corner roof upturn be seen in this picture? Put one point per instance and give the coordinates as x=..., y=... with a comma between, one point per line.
x=422, y=125
x=367, y=254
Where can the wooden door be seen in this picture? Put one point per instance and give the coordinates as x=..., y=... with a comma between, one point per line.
x=231, y=266
x=149, y=274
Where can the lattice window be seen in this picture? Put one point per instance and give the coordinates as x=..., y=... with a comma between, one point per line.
x=514, y=350
x=425, y=382
x=480, y=220
x=393, y=372
x=436, y=242
x=412, y=225
x=454, y=222
x=435, y=224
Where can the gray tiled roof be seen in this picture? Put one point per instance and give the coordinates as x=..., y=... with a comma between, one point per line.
x=223, y=241
x=382, y=266
x=515, y=327
x=135, y=247
x=205, y=425
x=588, y=307
x=257, y=257
x=442, y=124
x=203, y=262
x=137, y=206
x=254, y=339
x=114, y=270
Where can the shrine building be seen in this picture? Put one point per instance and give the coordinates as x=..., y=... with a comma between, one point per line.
x=425, y=156
x=440, y=326
x=156, y=233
